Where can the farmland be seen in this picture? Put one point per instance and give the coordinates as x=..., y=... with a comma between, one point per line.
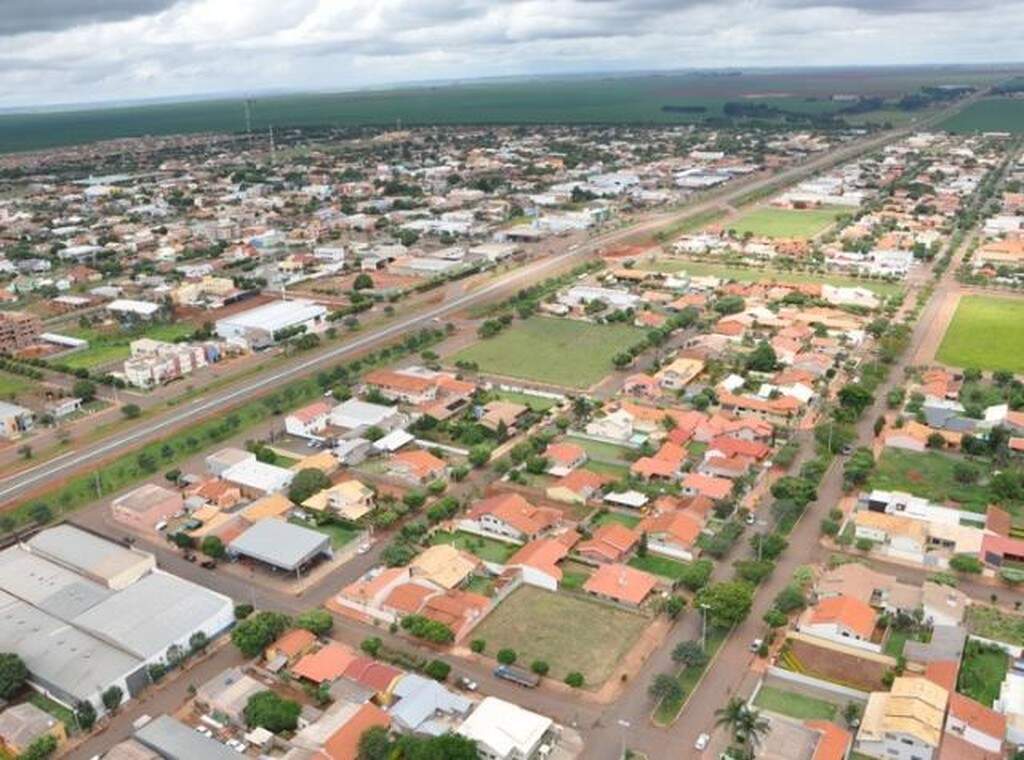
x=784, y=223
x=989, y=115
x=666, y=98
x=560, y=352
x=986, y=333
x=570, y=633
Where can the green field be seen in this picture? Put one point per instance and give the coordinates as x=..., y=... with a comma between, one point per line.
x=785, y=223
x=746, y=274
x=486, y=549
x=794, y=705
x=982, y=672
x=536, y=403
x=928, y=474
x=630, y=521
x=560, y=352
x=663, y=98
x=106, y=347
x=993, y=623
x=988, y=115
x=986, y=333
x=569, y=632
x=672, y=569
x=12, y=385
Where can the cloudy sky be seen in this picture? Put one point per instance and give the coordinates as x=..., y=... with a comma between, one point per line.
x=67, y=51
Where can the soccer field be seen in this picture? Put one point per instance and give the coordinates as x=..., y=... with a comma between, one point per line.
x=986, y=333
x=560, y=352
x=784, y=222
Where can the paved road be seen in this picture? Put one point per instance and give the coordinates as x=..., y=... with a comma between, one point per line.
x=26, y=481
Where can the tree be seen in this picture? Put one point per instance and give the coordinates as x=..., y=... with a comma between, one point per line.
x=131, y=411
x=665, y=686
x=478, y=645
x=729, y=305
x=746, y=725
x=429, y=630
x=754, y=571
x=936, y=441
x=112, y=698
x=374, y=744
x=479, y=455
x=371, y=645
x=41, y=748
x=306, y=483
x=762, y=358
x=242, y=611
x=13, y=675
x=674, y=606
x=267, y=710
x=198, y=641
x=506, y=656
x=775, y=618
x=575, y=679
x=212, y=546
x=790, y=599
x=437, y=669
x=85, y=714
x=363, y=281
x=318, y=621
x=966, y=563
x=256, y=633
x=540, y=667
x=727, y=602
x=641, y=547
x=85, y=390
x=695, y=575
x=855, y=397
x=690, y=653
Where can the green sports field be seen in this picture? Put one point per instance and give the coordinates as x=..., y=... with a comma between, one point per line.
x=561, y=352
x=989, y=115
x=785, y=223
x=986, y=333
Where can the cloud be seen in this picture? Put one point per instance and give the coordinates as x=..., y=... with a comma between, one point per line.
x=21, y=16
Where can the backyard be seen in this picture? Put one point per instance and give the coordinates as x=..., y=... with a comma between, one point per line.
x=560, y=352
x=982, y=672
x=630, y=521
x=794, y=705
x=784, y=223
x=570, y=633
x=986, y=333
x=663, y=566
x=486, y=549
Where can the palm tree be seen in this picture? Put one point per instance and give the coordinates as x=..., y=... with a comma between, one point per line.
x=731, y=715
x=747, y=726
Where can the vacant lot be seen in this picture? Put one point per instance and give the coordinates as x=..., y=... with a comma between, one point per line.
x=794, y=705
x=746, y=274
x=989, y=115
x=982, y=673
x=106, y=347
x=568, y=632
x=929, y=475
x=784, y=223
x=11, y=385
x=555, y=351
x=993, y=623
x=986, y=333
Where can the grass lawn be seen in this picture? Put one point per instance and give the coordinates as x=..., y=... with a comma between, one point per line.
x=784, y=222
x=668, y=709
x=573, y=580
x=109, y=347
x=57, y=710
x=672, y=569
x=982, y=672
x=748, y=274
x=928, y=474
x=340, y=534
x=794, y=705
x=569, y=632
x=630, y=521
x=986, y=333
x=481, y=584
x=12, y=385
x=536, y=403
x=992, y=623
x=560, y=352
x=896, y=641
x=602, y=451
x=486, y=549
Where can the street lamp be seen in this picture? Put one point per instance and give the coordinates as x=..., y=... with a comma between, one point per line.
x=625, y=725
x=704, y=626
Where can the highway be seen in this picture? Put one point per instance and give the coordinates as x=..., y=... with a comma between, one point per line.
x=34, y=479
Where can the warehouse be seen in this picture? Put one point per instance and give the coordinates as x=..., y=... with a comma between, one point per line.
x=258, y=327
x=281, y=545
x=172, y=739
x=91, y=556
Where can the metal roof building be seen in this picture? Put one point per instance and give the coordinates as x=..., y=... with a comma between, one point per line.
x=281, y=544
x=173, y=740
x=99, y=559
x=46, y=585
x=258, y=325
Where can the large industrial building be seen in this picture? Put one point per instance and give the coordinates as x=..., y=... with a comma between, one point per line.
x=85, y=613
x=257, y=327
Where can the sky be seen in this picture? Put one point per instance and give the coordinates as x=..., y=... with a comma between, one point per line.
x=74, y=51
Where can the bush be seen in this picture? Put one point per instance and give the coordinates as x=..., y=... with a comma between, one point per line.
x=790, y=599
x=318, y=621
x=13, y=674
x=966, y=563
x=665, y=686
x=212, y=546
x=112, y=698
x=540, y=667
x=256, y=633
x=478, y=645
x=438, y=669
x=371, y=645
x=242, y=611
x=506, y=656
x=131, y=411
x=267, y=710
x=775, y=618
x=429, y=630
x=864, y=544
x=690, y=653
x=575, y=679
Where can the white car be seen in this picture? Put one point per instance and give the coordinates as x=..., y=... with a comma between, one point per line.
x=363, y=548
x=702, y=742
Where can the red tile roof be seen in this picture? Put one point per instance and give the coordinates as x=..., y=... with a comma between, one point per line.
x=847, y=611
x=343, y=744
x=620, y=582
x=326, y=664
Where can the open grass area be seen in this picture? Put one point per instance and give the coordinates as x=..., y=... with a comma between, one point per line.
x=982, y=672
x=560, y=352
x=672, y=569
x=986, y=333
x=668, y=709
x=749, y=274
x=930, y=475
x=785, y=223
x=486, y=549
x=988, y=115
x=340, y=534
x=602, y=451
x=794, y=705
x=630, y=521
x=569, y=632
x=536, y=403
x=107, y=347
x=12, y=385
x=992, y=623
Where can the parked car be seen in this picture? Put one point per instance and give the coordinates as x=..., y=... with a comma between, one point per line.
x=364, y=547
x=464, y=683
x=756, y=644
x=190, y=556
x=702, y=742
x=209, y=564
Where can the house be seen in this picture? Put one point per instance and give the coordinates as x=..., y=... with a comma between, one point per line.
x=425, y=707
x=351, y=499
x=226, y=694
x=679, y=373
x=980, y=727
x=564, y=457
x=845, y=619
x=14, y=420
x=497, y=414
x=343, y=744
x=913, y=436
x=666, y=463
x=417, y=466
x=505, y=731
x=905, y=722
x=714, y=488
x=610, y=542
x=538, y=562
x=577, y=487
x=833, y=742
x=459, y=610
x=23, y=724
x=359, y=416
x=615, y=426
x=512, y=516
x=147, y=506
x=782, y=410
x=641, y=386
x=309, y=421
x=672, y=533
x=325, y=664
x=399, y=385
x=620, y=583
x=900, y=536
x=444, y=565
x=289, y=646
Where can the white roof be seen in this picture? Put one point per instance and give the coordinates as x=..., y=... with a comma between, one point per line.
x=354, y=414
x=505, y=727
x=259, y=475
x=633, y=499
x=133, y=307
x=276, y=315
x=393, y=441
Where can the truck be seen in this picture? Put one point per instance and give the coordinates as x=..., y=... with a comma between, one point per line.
x=517, y=675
